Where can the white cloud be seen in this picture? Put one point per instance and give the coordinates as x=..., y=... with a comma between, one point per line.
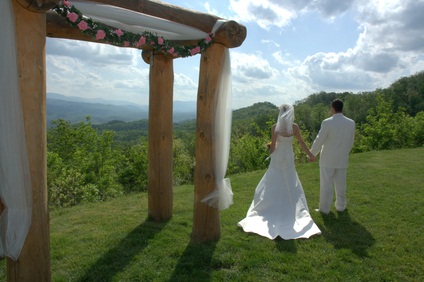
x=254, y=79
x=281, y=58
x=250, y=68
x=265, y=13
x=392, y=38
x=331, y=8
x=76, y=68
x=267, y=67
x=185, y=89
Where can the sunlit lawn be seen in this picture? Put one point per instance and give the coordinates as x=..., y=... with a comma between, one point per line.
x=379, y=238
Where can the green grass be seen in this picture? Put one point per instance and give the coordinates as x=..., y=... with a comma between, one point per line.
x=379, y=238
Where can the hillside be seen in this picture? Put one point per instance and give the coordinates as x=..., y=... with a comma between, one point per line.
x=121, y=115
x=259, y=113
x=100, y=113
x=75, y=109
x=129, y=121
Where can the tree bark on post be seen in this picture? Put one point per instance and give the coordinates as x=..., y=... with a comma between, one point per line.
x=34, y=261
x=160, y=138
x=206, y=221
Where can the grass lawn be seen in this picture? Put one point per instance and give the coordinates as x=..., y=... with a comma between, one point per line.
x=379, y=238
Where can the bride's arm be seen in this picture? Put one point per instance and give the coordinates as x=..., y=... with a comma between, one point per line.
x=302, y=143
x=273, y=139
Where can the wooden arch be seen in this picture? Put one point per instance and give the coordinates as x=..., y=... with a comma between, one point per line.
x=34, y=22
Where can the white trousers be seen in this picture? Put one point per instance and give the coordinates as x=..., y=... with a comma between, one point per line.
x=329, y=178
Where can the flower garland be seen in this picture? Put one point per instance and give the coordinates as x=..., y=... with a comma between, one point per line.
x=119, y=37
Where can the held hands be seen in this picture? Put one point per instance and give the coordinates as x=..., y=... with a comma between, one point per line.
x=311, y=158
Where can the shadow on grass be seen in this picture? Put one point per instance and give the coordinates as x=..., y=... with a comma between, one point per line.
x=196, y=263
x=118, y=257
x=288, y=246
x=345, y=233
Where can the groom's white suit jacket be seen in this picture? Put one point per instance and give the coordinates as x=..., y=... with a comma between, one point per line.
x=334, y=140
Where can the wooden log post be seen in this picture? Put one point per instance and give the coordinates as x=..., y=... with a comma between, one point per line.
x=206, y=219
x=34, y=261
x=160, y=138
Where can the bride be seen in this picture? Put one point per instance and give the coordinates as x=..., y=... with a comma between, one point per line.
x=279, y=206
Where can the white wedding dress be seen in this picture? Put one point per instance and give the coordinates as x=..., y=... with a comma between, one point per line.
x=279, y=207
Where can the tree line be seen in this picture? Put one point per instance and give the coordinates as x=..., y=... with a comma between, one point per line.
x=91, y=163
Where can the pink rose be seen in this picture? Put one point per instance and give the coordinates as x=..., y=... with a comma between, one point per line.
x=208, y=39
x=118, y=32
x=100, y=34
x=126, y=44
x=141, y=41
x=195, y=50
x=72, y=17
x=66, y=3
x=160, y=40
x=82, y=25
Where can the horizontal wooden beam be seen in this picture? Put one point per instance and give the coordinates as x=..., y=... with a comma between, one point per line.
x=37, y=5
x=231, y=34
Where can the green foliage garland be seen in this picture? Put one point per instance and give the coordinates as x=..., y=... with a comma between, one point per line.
x=119, y=37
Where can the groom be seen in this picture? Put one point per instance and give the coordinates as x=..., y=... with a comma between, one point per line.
x=334, y=141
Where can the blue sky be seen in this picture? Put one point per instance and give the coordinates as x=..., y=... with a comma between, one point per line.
x=293, y=48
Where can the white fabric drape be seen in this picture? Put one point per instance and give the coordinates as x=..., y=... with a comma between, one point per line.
x=222, y=196
x=15, y=179
x=136, y=22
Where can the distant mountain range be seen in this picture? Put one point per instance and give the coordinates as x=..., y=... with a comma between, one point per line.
x=75, y=109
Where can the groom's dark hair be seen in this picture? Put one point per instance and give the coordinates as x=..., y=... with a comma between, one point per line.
x=337, y=105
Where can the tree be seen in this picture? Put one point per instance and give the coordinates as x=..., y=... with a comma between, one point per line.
x=418, y=129
x=81, y=164
x=183, y=163
x=379, y=130
x=386, y=129
x=133, y=167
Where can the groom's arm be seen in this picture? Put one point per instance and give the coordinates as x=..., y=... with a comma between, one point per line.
x=320, y=139
x=352, y=133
